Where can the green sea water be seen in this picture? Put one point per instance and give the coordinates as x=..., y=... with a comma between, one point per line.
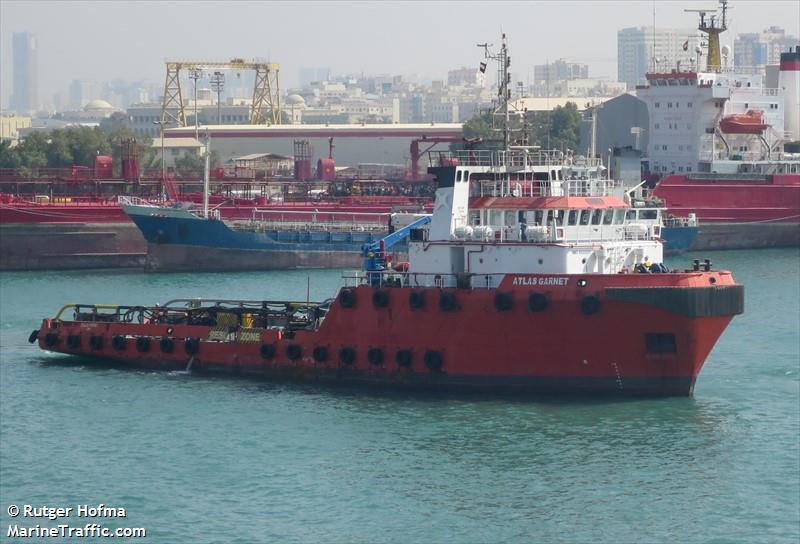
x=195, y=459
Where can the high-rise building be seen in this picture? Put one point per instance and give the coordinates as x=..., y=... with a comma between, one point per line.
x=752, y=51
x=307, y=76
x=560, y=69
x=641, y=49
x=25, y=93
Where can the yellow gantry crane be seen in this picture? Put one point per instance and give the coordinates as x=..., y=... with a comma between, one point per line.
x=266, y=108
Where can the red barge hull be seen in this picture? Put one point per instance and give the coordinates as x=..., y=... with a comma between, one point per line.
x=618, y=334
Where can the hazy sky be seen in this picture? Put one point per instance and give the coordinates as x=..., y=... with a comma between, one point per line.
x=131, y=40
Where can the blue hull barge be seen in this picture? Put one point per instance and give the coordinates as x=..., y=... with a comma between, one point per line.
x=178, y=239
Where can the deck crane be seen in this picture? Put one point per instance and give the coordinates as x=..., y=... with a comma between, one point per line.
x=375, y=254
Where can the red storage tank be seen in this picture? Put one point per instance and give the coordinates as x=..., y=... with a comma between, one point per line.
x=103, y=167
x=326, y=169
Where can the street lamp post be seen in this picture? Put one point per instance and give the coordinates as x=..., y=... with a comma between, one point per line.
x=217, y=84
x=163, y=169
x=194, y=75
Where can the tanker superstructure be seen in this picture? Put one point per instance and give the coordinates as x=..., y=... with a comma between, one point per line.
x=724, y=145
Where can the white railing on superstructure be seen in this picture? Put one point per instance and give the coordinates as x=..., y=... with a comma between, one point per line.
x=536, y=188
x=264, y=220
x=513, y=158
x=125, y=200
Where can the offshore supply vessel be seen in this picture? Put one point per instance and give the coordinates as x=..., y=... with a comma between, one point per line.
x=523, y=280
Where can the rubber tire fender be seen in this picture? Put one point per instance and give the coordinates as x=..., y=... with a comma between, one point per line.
x=347, y=355
x=167, y=345
x=143, y=344
x=96, y=342
x=403, y=357
x=380, y=299
x=503, y=301
x=416, y=300
x=119, y=342
x=447, y=302
x=294, y=351
x=191, y=346
x=74, y=341
x=590, y=305
x=50, y=339
x=347, y=298
x=320, y=354
x=375, y=356
x=433, y=360
x=537, y=302
x=34, y=336
x=268, y=351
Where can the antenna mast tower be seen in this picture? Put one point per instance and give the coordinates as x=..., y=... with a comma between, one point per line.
x=715, y=26
x=504, y=82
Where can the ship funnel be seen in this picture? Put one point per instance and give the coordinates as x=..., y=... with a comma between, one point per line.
x=789, y=82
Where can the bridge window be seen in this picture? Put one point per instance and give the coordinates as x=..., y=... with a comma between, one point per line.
x=630, y=215
x=648, y=214
x=608, y=216
x=458, y=175
x=572, y=218
x=584, y=217
x=619, y=216
x=596, y=216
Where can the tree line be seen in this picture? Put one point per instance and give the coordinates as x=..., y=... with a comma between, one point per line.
x=556, y=129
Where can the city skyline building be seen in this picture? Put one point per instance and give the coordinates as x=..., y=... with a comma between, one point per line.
x=641, y=49
x=752, y=51
x=25, y=93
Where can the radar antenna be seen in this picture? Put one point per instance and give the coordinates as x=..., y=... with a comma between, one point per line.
x=713, y=27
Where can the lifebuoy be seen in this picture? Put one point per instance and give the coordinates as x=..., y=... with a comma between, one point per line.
x=537, y=302
x=347, y=298
x=433, y=360
x=33, y=337
x=375, y=356
x=294, y=351
x=267, y=351
x=416, y=299
x=403, y=357
x=380, y=299
x=347, y=355
x=503, y=301
x=447, y=302
x=118, y=342
x=590, y=305
x=96, y=342
x=167, y=345
x=50, y=339
x=191, y=346
x=143, y=344
x=320, y=354
x=74, y=341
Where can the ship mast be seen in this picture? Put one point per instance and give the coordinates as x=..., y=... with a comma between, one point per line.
x=713, y=29
x=504, y=81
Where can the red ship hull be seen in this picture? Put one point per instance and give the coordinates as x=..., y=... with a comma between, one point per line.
x=624, y=334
